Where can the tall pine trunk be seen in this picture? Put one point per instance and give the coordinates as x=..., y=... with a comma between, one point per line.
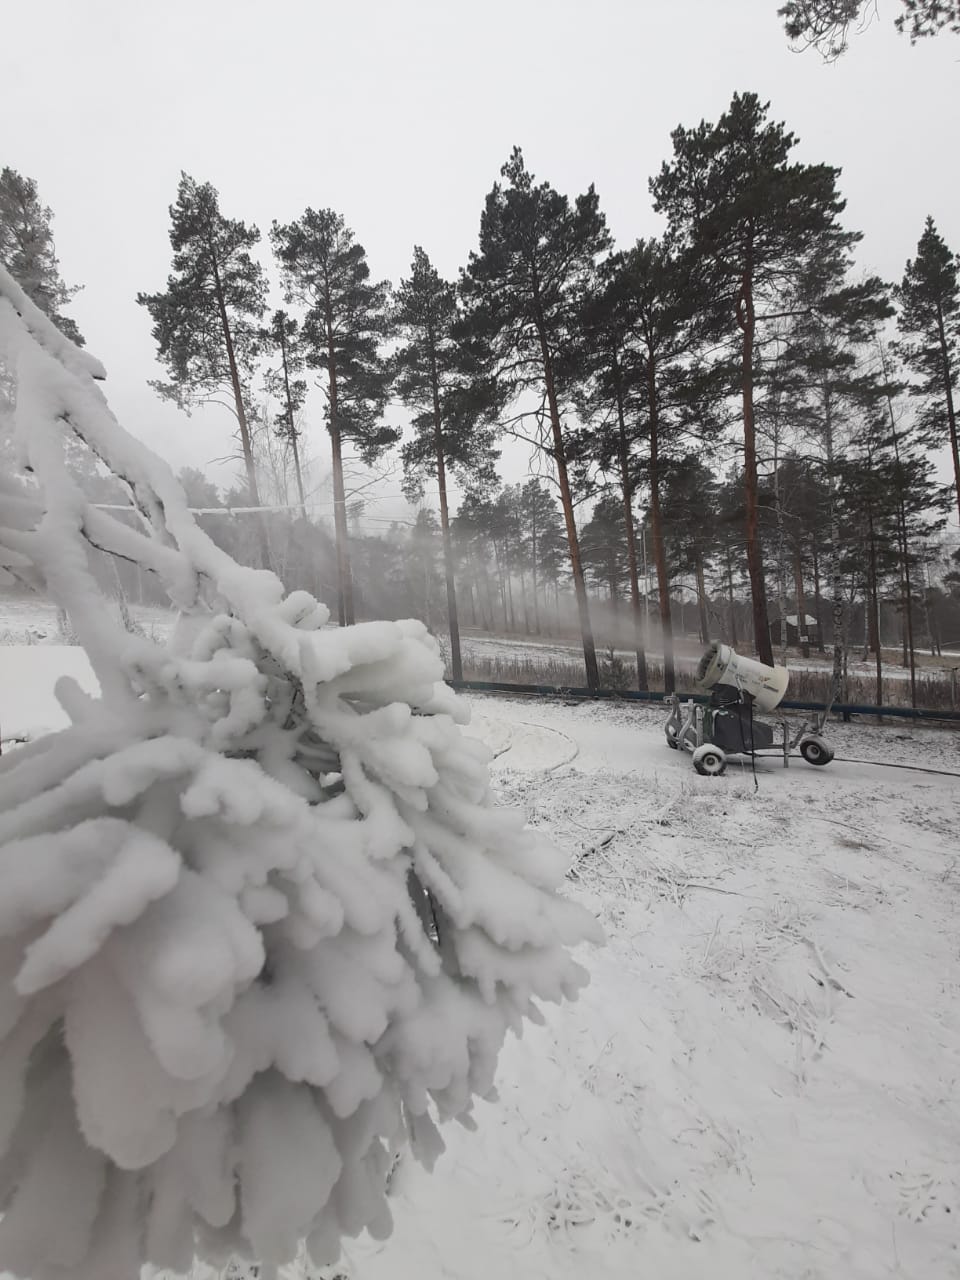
x=656, y=528
x=523, y=596
x=817, y=598
x=344, y=575
x=501, y=580
x=566, y=500
x=630, y=528
x=291, y=428
x=245, y=441
x=908, y=606
x=701, y=597
x=909, y=650
x=803, y=637
x=836, y=577
x=951, y=412
x=508, y=574
x=781, y=568
x=733, y=606
x=533, y=563
x=746, y=319
x=874, y=600
x=453, y=621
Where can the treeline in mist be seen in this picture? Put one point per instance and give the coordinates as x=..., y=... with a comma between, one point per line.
x=729, y=419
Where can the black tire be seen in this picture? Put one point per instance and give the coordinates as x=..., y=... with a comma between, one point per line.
x=672, y=742
x=815, y=751
x=710, y=762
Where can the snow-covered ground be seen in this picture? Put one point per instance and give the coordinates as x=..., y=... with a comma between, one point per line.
x=763, y=1079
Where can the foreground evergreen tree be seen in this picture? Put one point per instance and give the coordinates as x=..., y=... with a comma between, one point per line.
x=345, y=328
x=439, y=378
x=524, y=290
x=262, y=924
x=736, y=201
x=929, y=320
x=206, y=322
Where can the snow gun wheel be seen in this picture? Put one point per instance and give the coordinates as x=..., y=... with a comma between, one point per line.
x=709, y=760
x=816, y=751
x=671, y=736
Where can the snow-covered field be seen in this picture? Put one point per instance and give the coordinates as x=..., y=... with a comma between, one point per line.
x=763, y=1079
x=546, y=653
x=29, y=620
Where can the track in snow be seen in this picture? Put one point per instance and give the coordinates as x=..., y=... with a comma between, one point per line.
x=525, y=745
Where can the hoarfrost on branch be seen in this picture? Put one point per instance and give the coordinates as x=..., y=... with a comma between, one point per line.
x=261, y=924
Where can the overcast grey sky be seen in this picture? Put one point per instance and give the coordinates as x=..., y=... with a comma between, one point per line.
x=399, y=115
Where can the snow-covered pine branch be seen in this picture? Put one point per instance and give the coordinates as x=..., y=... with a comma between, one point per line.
x=260, y=921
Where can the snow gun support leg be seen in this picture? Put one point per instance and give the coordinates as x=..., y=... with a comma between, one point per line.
x=684, y=727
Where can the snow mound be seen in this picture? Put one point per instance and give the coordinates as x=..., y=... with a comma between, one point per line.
x=261, y=925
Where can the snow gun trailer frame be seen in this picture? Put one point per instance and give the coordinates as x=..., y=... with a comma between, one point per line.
x=726, y=726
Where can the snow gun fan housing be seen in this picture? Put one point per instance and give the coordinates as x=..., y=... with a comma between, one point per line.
x=739, y=687
x=721, y=665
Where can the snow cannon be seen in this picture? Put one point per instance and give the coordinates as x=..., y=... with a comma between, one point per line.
x=739, y=687
x=721, y=665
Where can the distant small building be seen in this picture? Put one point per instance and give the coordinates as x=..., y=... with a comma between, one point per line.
x=795, y=634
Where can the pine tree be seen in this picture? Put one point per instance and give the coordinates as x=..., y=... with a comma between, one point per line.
x=524, y=288
x=28, y=252
x=833, y=387
x=542, y=533
x=731, y=542
x=868, y=486
x=604, y=543
x=606, y=403
x=205, y=323
x=828, y=348
x=503, y=530
x=345, y=328
x=734, y=198
x=928, y=18
x=929, y=320
x=421, y=568
x=690, y=493
x=646, y=330
x=804, y=505
x=826, y=24
x=200, y=492
x=439, y=379
x=283, y=336
x=916, y=500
